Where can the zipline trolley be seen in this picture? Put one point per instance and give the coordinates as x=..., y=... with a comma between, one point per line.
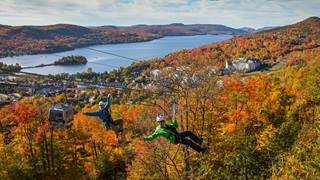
x=60, y=116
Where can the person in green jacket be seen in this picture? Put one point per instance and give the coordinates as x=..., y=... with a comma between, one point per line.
x=169, y=131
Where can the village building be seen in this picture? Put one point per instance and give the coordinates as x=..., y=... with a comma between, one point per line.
x=155, y=73
x=242, y=65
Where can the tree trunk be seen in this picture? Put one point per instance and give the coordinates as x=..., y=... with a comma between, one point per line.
x=186, y=169
x=51, y=151
x=95, y=150
x=47, y=153
x=75, y=153
x=186, y=157
x=203, y=119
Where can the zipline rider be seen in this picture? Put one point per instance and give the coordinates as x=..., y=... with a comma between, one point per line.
x=170, y=132
x=103, y=113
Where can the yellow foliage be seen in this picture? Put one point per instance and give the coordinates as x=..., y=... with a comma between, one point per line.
x=1, y=140
x=264, y=137
x=228, y=128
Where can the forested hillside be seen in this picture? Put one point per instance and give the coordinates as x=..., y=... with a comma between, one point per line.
x=280, y=44
x=179, y=29
x=260, y=126
x=21, y=40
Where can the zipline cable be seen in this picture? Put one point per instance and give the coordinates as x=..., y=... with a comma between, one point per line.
x=102, y=64
x=57, y=55
x=106, y=52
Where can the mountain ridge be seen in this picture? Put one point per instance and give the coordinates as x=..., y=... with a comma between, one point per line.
x=22, y=40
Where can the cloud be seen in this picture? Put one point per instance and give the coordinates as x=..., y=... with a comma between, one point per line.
x=235, y=13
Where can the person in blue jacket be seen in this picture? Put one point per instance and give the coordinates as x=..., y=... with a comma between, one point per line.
x=103, y=113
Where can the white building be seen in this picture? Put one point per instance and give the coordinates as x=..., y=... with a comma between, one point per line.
x=89, y=70
x=155, y=73
x=244, y=64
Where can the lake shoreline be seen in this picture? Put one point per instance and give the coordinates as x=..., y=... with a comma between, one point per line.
x=53, y=51
x=66, y=48
x=100, y=62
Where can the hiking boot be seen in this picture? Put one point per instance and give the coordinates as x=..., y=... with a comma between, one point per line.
x=204, y=149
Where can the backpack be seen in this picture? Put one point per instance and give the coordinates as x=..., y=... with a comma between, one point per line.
x=171, y=129
x=107, y=114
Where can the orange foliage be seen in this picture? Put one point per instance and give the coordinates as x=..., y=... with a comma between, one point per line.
x=23, y=113
x=274, y=45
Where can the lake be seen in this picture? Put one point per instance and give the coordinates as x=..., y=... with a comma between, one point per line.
x=99, y=62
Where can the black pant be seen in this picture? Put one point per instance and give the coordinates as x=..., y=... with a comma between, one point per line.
x=181, y=138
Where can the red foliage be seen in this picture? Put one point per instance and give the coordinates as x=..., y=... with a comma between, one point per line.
x=23, y=113
x=41, y=131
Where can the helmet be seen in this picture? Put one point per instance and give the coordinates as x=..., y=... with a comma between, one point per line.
x=160, y=118
x=101, y=103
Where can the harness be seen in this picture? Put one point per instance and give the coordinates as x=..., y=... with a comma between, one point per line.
x=107, y=116
x=173, y=132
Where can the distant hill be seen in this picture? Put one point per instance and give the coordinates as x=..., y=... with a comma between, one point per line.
x=21, y=40
x=277, y=44
x=252, y=30
x=266, y=28
x=178, y=29
x=248, y=30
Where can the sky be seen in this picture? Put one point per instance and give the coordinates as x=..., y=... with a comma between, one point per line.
x=233, y=13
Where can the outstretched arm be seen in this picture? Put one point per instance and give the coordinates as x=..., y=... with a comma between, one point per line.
x=106, y=107
x=91, y=113
x=151, y=137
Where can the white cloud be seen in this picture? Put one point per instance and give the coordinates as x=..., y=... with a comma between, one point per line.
x=235, y=13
